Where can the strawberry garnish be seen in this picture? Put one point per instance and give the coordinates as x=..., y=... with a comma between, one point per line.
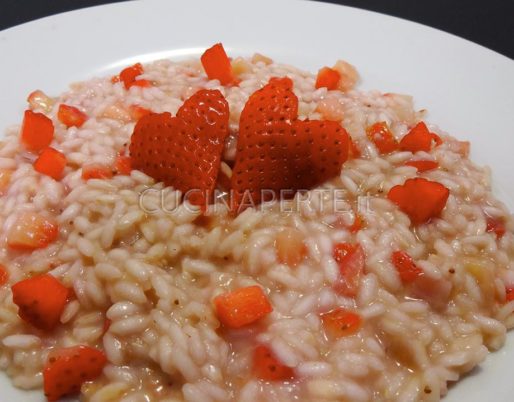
x=358, y=224
x=422, y=165
x=509, y=294
x=496, y=226
x=351, y=259
x=123, y=165
x=341, y=322
x=328, y=78
x=382, y=137
x=142, y=83
x=39, y=100
x=406, y=267
x=67, y=369
x=242, y=306
x=266, y=366
x=4, y=275
x=31, y=231
x=419, y=138
x=37, y=131
x=275, y=102
x=217, y=65
x=96, y=171
x=278, y=155
x=51, y=162
x=184, y=151
x=437, y=140
x=71, y=116
x=41, y=300
x=290, y=247
x=420, y=199
x=129, y=76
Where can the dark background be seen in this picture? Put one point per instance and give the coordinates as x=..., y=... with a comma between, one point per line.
x=487, y=22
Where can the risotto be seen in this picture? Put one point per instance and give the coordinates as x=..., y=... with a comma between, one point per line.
x=384, y=274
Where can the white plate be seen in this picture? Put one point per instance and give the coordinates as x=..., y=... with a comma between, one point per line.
x=467, y=89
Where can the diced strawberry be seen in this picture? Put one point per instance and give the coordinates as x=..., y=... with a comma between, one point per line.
x=434, y=291
x=67, y=369
x=115, y=79
x=437, y=140
x=406, y=267
x=459, y=147
x=184, y=151
x=509, y=294
x=39, y=100
x=495, y=225
x=41, y=301
x=351, y=260
x=341, y=322
x=141, y=83
x=31, y=231
x=382, y=137
x=128, y=75
x=96, y=171
x=37, y=131
x=242, y=306
x=240, y=66
x=328, y=78
x=358, y=224
x=353, y=227
x=116, y=111
x=136, y=112
x=419, y=138
x=4, y=275
x=420, y=199
x=423, y=165
x=260, y=58
x=267, y=367
x=290, y=247
x=217, y=64
x=51, y=162
x=71, y=116
x=349, y=75
x=271, y=140
x=123, y=165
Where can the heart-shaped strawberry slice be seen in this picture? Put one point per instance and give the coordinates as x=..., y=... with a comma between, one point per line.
x=277, y=155
x=184, y=151
x=275, y=102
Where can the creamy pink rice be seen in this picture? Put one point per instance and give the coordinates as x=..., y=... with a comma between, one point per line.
x=154, y=273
